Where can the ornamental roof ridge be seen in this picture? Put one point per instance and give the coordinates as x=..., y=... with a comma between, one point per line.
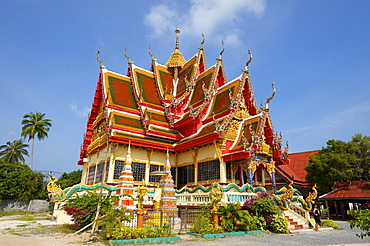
x=115, y=73
x=197, y=76
x=230, y=82
x=133, y=66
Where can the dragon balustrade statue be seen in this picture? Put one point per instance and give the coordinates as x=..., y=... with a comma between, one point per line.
x=287, y=195
x=56, y=194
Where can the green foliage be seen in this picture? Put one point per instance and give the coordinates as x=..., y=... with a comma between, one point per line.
x=263, y=206
x=279, y=225
x=13, y=152
x=35, y=125
x=251, y=223
x=83, y=208
x=111, y=219
x=234, y=219
x=204, y=225
x=325, y=212
x=69, y=179
x=361, y=219
x=120, y=232
x=330, y=223
x=19, y=182
x=340, y=161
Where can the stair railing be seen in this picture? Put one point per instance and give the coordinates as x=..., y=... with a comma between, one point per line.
x=297, y=209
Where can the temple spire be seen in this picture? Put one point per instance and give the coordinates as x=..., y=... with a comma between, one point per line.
x=177, y=31
x=176, y=60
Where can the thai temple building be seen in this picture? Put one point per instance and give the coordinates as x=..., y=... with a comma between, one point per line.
x=182, y=116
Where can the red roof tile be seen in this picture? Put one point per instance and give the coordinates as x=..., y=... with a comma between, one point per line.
x=295, y=170
x=349, y=190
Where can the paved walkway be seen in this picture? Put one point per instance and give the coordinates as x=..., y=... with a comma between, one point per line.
x=347, y=236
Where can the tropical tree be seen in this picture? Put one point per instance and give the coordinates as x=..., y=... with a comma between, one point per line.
x=34, y=125
x=19, y=182
x=69, y=179
x=340, y=161
x=13, y=152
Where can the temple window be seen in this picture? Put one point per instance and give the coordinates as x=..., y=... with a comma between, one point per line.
x=99, y=173
x=185, y=175
x=118, y=169
x=106, y=170
x=153, y=168
x=173, y=173
x=228, y=170
x=91, y=176
x=209, y=170
x=138, y=170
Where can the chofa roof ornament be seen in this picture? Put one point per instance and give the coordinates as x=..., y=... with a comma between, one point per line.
x=102, y=66
x=128, y=58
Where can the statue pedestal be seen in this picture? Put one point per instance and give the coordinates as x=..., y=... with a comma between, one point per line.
x=215, y=218
x=140, y=219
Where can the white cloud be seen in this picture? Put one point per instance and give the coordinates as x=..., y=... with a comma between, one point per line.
x=206, y=17
x=160, y=18
x=80, y=112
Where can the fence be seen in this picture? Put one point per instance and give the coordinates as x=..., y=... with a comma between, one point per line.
x=187, y=217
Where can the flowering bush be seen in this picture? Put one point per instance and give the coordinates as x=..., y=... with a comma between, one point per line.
x=264, y=206
x=83, y=208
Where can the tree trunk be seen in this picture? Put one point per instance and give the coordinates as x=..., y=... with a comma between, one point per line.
x=31, y=157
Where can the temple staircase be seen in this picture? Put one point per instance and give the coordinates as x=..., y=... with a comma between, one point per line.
x=296, y=222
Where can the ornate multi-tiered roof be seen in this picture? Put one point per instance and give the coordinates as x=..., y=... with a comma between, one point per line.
x=182, y=105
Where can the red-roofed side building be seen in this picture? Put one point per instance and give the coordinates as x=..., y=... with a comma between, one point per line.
x=295, y=172
x=346, y=195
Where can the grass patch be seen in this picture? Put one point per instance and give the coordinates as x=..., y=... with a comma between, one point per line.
x=27, y=229
x=10, y=213
x=24, y=216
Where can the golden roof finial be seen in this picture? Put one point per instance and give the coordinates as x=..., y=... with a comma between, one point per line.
x=102, y=66
x=268, y=100
x=222, y=51
x=150, y=53
x=201, y=44
x=249, y=61
x=176, y=59
x=128, y=58
x=177, y=31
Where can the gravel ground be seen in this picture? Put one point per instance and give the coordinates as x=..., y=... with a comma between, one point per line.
x=347, y=236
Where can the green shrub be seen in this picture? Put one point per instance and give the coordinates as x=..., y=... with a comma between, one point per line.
x=330, y=223
x=204, y=225
x=361, y=219
x=263, y=205
x=279, y=225
x=121, y=232
x=234, y=219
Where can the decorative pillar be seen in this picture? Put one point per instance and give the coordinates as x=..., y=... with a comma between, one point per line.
x=223, y=179
x=250, y=176
x=126, y=183
x=168, y=191
x=273, y=177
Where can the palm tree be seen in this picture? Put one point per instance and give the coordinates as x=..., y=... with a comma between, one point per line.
x=13, y=152
x=34, y=125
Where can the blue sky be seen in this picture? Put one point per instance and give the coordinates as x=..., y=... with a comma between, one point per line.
x=316, y=52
